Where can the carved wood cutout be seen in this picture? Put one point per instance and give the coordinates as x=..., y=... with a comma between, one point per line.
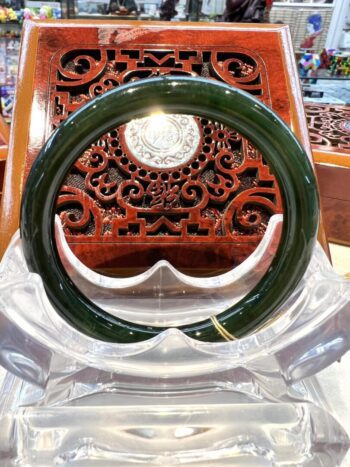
x=80, y=75
x=223, y=195
x=329, y=127
x=225, y=192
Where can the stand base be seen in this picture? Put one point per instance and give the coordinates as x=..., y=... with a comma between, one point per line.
x=212, y=435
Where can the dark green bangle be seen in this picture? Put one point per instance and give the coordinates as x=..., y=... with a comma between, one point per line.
x=204, y=98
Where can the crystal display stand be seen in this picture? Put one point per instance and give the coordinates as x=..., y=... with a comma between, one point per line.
x=67, y=399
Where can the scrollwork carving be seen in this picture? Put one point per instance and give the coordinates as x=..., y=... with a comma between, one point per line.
x=80, y=75
x=221, y=192
x=78, y=67
x=217, y=192
x=78, y=212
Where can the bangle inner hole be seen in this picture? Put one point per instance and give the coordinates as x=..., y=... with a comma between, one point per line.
x=159, y=201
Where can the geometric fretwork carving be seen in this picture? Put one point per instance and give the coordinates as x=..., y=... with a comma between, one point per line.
x=80, y=75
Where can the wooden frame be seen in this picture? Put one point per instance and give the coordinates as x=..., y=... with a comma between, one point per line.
x=51, y=61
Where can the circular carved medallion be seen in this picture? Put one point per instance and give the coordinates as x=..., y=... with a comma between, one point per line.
x=163, y=140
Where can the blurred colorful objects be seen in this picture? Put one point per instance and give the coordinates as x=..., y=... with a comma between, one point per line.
x=325, y=57
x=27, y=13
x=44, y=12
x=332, y=63
x=7, y=15
x=9, y=51
x=314, y=29
x=7, y=97
x=340, y=65
x=309, y=62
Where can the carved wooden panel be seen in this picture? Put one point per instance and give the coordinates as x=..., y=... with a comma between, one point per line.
x=223, y=194
x=207, y=213
x=78, y=75
x=329, y=127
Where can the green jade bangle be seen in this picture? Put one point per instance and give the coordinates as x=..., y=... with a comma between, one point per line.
x=208, y=99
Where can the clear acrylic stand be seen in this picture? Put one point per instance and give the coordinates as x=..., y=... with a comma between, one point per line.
x=67, y=399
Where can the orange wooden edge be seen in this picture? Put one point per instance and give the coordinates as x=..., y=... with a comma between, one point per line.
x=331, y=158
x=3, y=153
